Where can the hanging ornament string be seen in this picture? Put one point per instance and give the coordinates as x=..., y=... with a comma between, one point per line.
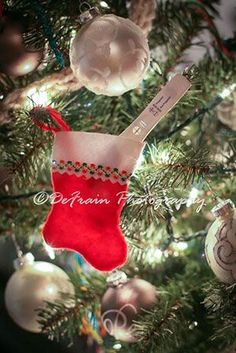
x=203, y=12
x=47, y=30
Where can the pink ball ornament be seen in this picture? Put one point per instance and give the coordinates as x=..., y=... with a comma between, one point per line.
x=123, y=302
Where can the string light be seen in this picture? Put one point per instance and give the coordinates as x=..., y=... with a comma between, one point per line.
x=193, y=325
x=181, y=246
x=227, y=91
x=104, y=4
x=117, y=346
x=37, y=97
x=178, y=248
x=192, y=196
x=154, y=255
x=164, y=156
x=73, y=34
x=50, y=251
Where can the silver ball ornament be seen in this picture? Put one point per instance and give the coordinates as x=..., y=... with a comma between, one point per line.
x=30, y=286
x=121, y=305
x=110, y=55
x=220, y=246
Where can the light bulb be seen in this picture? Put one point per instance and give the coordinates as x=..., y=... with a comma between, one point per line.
x=37, y=97
x=50, y=251
x=227, y=91
x=192, y=196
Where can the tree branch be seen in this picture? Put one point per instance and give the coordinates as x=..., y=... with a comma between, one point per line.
x=198, y=115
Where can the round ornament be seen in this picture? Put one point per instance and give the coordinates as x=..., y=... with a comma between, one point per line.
x=15, y=59
x=220, y=247
x=110, y=54
x=123, y=302
x=30, y=286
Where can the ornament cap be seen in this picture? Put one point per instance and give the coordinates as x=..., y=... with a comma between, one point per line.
x=25, y=260
x=224, y=209
x=116, y=278
x=88, y=15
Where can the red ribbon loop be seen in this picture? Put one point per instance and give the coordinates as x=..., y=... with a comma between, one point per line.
x=55, y=116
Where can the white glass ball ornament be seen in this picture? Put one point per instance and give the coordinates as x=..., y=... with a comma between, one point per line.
x=220, y=246
x=30, y=286
x=109, y=55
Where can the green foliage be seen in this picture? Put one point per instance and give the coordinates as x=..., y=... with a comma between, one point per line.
x=173, y=167
x=22, y=144
x=177, y=323
x=220, y=302
x=190, y=146
x=66, y=318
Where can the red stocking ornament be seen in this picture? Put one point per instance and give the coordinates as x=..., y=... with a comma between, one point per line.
x=90, y=174
x=90, y=171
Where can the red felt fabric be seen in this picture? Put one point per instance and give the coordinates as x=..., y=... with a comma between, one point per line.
x=92, y=230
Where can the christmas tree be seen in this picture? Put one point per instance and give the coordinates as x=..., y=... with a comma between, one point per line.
x=154, y=268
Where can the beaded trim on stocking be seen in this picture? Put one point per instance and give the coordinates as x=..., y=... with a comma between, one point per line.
x=91, y=171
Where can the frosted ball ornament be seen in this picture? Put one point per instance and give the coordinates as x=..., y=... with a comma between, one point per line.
x=33, y=283
x=123, y=302
x=220, y=246
x=110, y=54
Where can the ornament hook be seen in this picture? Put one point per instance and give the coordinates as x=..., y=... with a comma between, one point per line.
x=85, y=6
x=19, y=252
x=22, y=259
x=87, y=14
x=191, y=72
x=116, y=278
